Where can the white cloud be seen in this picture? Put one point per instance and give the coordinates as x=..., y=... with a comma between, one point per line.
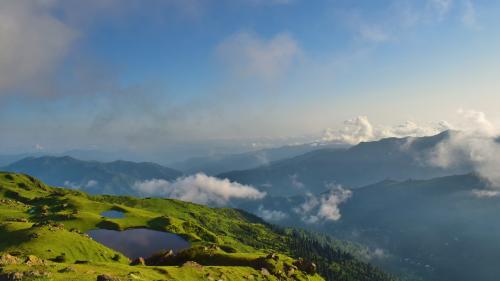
x=360, y=129
x=73, y=185
x=251, y=56
x=475, y=144
x=199, y=188
x=296, y=183
x=271, y=215
x=325, y=207
x=33, y=41
x=485, y=193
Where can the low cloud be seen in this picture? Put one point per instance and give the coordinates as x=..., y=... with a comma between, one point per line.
x=271, y=215
x=360, y=129
x=251, y=56
x=295, y=182
x=475, y=143
x=482, y=193
x=198, y=188
x=73, y=185
x=325, y=207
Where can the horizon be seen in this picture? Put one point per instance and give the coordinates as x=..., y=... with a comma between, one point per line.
x=193, y=78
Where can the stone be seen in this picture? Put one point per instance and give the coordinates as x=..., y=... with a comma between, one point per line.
x=7, y=259
x=264, y=272
x=9, y=276
x=138, y=261
x=34, y=260
x=105, y=277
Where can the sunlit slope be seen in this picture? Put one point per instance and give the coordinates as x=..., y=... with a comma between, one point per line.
x=226, y=244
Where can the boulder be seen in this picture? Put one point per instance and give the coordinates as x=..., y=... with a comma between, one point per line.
x=306, y=266
x=7, y=259
x=138, y=261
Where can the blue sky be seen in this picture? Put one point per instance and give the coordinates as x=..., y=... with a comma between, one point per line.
x=199, y=75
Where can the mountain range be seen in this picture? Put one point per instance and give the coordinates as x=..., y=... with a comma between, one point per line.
x=359, y=165
x=95, y=177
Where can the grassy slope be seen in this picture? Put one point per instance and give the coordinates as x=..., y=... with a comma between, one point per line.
x=26, y=205
x=25, y=202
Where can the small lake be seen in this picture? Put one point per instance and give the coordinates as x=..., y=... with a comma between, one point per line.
x=112, y=214
x=139, y=242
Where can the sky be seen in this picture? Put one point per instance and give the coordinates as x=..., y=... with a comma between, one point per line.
x=190, y=77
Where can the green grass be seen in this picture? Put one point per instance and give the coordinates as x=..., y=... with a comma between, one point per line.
x=48, y=222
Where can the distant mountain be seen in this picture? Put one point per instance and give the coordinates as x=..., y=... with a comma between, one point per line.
x=445, y=228
x=363, y=164
x=115, y=177
x=221, y=163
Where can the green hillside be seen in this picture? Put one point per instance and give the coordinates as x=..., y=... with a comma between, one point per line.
x=42, y=237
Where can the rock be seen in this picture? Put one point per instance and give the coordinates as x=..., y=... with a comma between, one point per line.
x=34, y=260
x=105, y=277
x=67, y=269
x=306, y=266
x=11, y=276
x=273, y=256
x=138, y=261
x=161, y=258
x=37, y=273
x=193, y=264
x=9, y=259
x=265, y=272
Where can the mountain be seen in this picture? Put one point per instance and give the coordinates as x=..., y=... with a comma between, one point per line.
x=115, y=177
x=362, y=164
x=445, y=228
x=221, y=163
x=44, y=235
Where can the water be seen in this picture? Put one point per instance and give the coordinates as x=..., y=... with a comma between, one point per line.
x=139, y=242
x=112, y=214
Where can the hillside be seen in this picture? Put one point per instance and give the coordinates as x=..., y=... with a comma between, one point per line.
x=445, y=228
x=94, y=177
x=362, y=164
x=42, y=231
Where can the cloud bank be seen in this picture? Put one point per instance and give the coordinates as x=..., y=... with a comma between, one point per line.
x=475, y=142
x=271, y=215
x=360, y=129
x=325, y=207
x=199, y=188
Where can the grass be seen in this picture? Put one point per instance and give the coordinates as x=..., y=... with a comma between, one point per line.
x=49, y=222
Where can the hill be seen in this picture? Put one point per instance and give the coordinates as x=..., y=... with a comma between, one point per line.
x=362, y=164
x=42, y=231
x=94, y=177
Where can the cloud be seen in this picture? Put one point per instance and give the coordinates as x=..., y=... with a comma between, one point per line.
x=469, y=17
x=325, y=207
x=198, y=188
x=373, y=33
x=73, y=185
x=33, y=42
x=360, y=129
x=271, y=215
x=251, y=56
x=441, y=7
x=485, y=193
x=294, y=180
x=475, y=143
